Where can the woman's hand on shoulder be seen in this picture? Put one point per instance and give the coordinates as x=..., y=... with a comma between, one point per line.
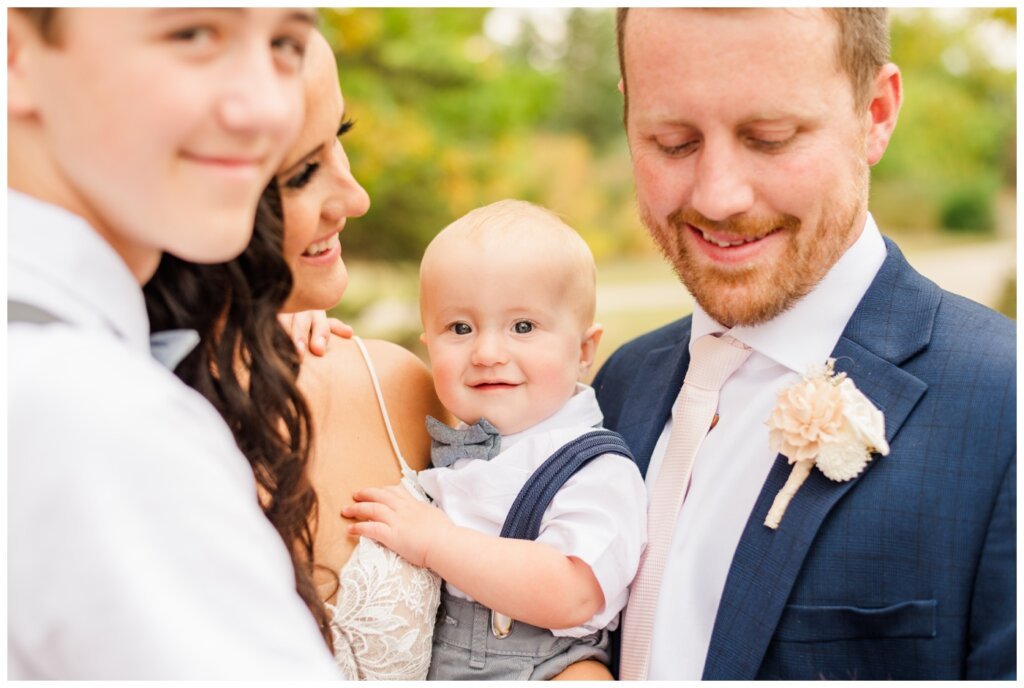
x=311, y=330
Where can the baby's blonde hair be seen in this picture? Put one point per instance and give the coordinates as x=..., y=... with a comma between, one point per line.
x=514, y=224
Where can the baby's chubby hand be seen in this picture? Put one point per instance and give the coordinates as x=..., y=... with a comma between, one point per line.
x=399, y=521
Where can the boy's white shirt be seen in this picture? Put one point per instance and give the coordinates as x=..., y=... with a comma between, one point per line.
x=137, y=548
x=599, y=516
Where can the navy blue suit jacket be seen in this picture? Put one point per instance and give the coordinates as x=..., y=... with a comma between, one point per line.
x=906, y=572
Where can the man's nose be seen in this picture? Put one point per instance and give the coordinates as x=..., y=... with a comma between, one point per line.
x=722, y=186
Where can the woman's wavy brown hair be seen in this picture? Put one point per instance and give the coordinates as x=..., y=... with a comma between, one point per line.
x=247, y=366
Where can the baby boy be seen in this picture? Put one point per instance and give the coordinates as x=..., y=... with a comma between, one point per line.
x=507, y=299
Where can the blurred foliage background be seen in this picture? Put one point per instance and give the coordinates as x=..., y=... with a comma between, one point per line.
x=459, y=107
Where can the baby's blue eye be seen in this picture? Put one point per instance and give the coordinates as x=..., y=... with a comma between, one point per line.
x=523, y=327
x=461, y=328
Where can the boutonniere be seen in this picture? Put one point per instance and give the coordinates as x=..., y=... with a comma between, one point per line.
x=823, y=420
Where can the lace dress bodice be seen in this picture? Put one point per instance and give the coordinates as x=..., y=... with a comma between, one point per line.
x=383, y=618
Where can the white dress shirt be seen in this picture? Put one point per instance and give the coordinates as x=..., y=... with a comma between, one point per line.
x=733, y=462
x=137, y=548
x=599, y=515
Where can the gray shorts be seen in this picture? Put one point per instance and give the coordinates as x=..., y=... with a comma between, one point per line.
x=465, y=648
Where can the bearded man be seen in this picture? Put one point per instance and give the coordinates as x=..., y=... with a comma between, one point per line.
x=817, y=364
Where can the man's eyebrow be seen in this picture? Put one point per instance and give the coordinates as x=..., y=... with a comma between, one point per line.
x=772, y=116
x=658, y=119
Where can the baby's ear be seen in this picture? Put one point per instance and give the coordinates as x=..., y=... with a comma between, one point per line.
x=588, y=347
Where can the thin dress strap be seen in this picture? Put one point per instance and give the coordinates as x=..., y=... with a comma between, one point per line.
x=406, y=471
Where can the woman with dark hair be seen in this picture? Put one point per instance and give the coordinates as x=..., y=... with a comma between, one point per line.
x=362, y=420
x=246, y=366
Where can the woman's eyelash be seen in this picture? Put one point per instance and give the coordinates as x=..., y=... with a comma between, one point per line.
x=299, y=180
x=302, y=178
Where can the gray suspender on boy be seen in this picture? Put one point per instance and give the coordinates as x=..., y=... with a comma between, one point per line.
x=21, y=312
x=168, y=347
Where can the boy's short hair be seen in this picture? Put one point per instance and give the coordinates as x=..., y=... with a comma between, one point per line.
x=514, y=223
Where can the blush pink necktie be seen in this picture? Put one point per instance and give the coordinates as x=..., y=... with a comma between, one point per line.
x=712, y=361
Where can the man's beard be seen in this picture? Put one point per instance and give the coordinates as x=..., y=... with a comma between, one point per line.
x=756, y=293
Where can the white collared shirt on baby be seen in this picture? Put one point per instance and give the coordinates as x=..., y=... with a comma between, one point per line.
x=137, y=548
x=599, y=515
x=733, y=462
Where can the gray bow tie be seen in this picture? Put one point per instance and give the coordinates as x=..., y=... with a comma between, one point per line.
x=478, y=441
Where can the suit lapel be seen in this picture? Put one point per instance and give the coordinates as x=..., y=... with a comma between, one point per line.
x=651, y=396
x=892, y=322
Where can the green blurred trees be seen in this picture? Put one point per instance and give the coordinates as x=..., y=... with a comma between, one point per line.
x=448, y=119
x=955, y=145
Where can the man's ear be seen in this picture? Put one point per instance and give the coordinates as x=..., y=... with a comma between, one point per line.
x=887, y=96
x=23, y=40
x=588, y=347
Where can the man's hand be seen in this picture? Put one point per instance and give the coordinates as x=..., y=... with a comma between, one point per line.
x=399, y=521
x=311, y=330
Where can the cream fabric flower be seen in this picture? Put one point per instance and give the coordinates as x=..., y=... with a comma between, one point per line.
x=866, y=421
x=823, y=420
x=807, y=415
x=842, y=461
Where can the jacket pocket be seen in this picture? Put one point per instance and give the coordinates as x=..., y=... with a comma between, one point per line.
x=812, y=623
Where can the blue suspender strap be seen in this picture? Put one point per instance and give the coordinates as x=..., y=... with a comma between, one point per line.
x=523, y=520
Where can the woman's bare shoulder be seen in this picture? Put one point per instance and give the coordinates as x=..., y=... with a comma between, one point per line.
x=409, y=394
x=404, y=378
x=388, y=355
x=341, y=370
x=344, y=360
